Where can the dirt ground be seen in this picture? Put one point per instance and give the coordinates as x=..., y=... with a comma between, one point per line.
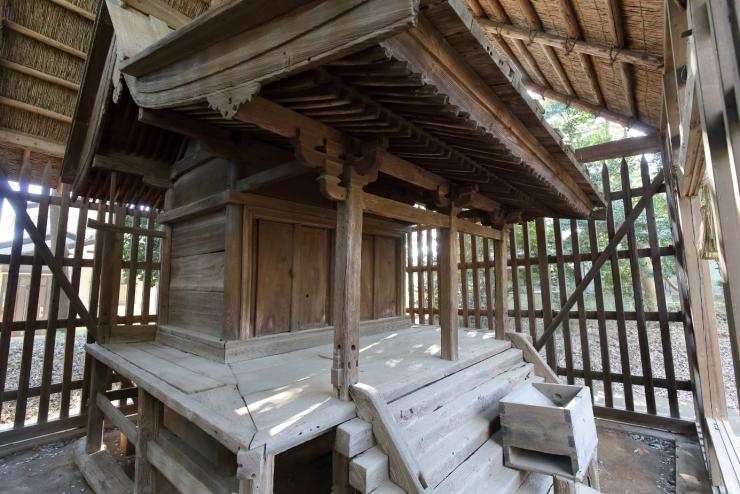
x=629, y=463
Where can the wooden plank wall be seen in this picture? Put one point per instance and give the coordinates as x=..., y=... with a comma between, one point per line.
x=43, y=368
x=616, y=338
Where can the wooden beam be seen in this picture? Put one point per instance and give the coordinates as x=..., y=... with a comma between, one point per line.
x=630, y=146
x=614, y=22
x=34, y=143
x=43, y=76
x=424, y=48
x=447, y=240
x=162, y=11
x=627, y=121
x=563, y=43
x=36, y=110
x=272, y=175
x=134, y=165
x=29, y=33
x=596, y=264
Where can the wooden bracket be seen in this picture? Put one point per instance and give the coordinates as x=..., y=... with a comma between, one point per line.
x=228, y=102
x=462, y=196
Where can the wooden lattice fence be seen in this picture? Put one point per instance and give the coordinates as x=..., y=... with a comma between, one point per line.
x=624, y=328
x=43, y=366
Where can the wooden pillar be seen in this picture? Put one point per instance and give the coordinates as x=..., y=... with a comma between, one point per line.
x=163, y=295
x=501, y=295
x=347, y=289
x=703, y=317
x=150, y=413
x=447, y=239
x=95, y=417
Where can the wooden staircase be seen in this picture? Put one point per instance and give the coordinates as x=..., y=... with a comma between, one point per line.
x=449, y=431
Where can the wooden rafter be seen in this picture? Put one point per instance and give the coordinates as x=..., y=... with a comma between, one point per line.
x=625, y=73
x=535, y=25
x=29, y=33
x=574, y=32
x=43, y=76
x=20, y=105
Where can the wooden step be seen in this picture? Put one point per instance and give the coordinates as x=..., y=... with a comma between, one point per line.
x=483, y=471
x=368, y=470
x=388, y=487
x=535, y=483
x=481, y=402
x=439, y=458
x=414, y=406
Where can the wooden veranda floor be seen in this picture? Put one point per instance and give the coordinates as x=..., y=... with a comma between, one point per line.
x=284, y=400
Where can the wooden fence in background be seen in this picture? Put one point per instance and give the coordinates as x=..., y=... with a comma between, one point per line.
x=626, y=325
x=43, y=365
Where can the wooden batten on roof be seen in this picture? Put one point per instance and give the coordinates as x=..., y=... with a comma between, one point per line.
x=435, y=91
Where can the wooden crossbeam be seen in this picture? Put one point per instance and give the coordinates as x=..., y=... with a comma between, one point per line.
x=630, y=146
x=563, y=43
x=34, y=143
x=39, y=241
x=74, y=9
x=603, y=257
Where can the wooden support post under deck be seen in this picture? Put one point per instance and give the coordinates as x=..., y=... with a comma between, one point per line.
x=501, y=294
x=150, y=412
x=447, y=259
x=347, y=272
x=94, y=413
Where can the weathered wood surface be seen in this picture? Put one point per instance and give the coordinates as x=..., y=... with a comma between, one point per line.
x=271, y=394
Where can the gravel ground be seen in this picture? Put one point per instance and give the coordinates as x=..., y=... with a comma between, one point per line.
x=14, y=368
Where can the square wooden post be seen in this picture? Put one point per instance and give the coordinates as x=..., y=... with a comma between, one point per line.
x=95, y=417
x=447, y=240
x=150, y=415
x=501, y=294
x=347, y=289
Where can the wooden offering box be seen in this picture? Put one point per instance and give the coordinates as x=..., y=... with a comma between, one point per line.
x=549, y=428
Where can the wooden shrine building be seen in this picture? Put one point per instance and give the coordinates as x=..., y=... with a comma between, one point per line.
x=290, y=149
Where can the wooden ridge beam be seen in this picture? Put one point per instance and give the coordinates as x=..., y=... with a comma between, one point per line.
x=43, y=76
x=20, y=105
x=29, y=33
x=603, y=257
x=134, y=165
x=630, y=146
x=563, y=43
x=34, y=143
x=599, y=111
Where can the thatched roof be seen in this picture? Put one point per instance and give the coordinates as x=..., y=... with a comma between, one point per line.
x=629, y=92
x=42, y=58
